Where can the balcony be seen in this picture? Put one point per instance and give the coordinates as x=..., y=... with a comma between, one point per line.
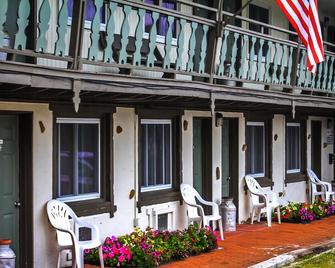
x=194, y=47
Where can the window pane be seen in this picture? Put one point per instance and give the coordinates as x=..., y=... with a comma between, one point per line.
x=163, y=222
x=66, y=158
x=90, y=10
x=88, y=158
x=293, y=149
x=255, y=149
x=156, y=154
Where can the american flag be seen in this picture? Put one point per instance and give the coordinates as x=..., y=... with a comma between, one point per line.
x=304, y=17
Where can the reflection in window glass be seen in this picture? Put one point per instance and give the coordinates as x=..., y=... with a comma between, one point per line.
x=293, y=148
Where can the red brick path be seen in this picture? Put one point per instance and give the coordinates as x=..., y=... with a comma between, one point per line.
x=255, y=243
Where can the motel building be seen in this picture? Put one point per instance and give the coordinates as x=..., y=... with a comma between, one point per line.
x=110, y=105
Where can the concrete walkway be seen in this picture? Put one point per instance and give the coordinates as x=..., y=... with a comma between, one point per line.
x=252, y=244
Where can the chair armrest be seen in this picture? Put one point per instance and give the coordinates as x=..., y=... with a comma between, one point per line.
x=71, y=233
x=197, y=206
x=328, y=186
x=210, y=203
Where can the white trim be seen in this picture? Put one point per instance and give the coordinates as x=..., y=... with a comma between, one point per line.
x=261, y=124
x=80, y=197
x=156, y=188
x=156, y=121
x=257, y=175
x=66, y=120
x=293, y=124
x=291, y=171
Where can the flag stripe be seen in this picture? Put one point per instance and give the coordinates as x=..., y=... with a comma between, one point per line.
x=304, y=17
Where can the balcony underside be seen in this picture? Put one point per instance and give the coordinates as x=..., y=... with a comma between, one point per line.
x=21, y=82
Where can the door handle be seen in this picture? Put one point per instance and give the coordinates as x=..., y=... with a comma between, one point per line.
x=228, y=178
x=17, y=204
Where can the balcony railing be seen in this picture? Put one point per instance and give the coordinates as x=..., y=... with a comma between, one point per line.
x=194, y=46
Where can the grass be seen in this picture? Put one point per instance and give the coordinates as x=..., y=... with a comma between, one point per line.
x=323, y=260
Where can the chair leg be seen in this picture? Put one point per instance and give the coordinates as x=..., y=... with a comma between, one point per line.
x=101, y=257
x=259, y=215
x=74, y=258
x=79, y=257
x=252, y=215
x=221, y=228
x=278, y=215
x=58, y=259
x=327, y=197
x=268, y=215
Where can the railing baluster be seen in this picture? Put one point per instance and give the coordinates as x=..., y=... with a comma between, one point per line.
x=314, y=79
x=232, y=71
x=3, y=17
x=124, y=35
x=333, y=84
x=252, y=62
x=275, y=64
x=139, y=37
x=268, y=63
x=320, y=69
x=191, y=49
x=302, y=65
x=43, y=26
x=203, y=52
x=223, y=54
x=325, y=76
x=244, y=61
x=289, y=67
x=181, y=44
x=152, y=40
x=330, y=77
x=260, y=75
x=308, y=78
x=168, y=44
x=283, y=65
x=61, y=29
x=22, y=23
x=110, y=31
x=95, y=29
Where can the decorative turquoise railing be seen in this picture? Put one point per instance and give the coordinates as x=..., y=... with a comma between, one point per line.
x=190, y=44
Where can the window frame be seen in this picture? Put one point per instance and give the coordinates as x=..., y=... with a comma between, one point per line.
x=298, y=176
x=159, y=196
x=160, y=186
x=77, y=197
x=104, y=204
x=266, y=180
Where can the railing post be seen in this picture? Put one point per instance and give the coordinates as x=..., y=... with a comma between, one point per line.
x=213, y=36
x=295, y=67
x=77, y=31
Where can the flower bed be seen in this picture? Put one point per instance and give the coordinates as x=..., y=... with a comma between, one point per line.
x=151, y=248
x=303, y=212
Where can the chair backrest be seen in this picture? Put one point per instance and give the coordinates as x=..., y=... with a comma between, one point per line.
x=189, y=195
x=59, y=215
x=313, y=178
x=254, y=188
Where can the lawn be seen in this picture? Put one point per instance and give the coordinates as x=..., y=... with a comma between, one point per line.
x=323, y=260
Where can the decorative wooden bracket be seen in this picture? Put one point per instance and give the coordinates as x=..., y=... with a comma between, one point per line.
x=293, y=109
x=212, y=104
x=76, y=87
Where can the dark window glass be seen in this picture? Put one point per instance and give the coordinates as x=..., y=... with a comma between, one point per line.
x=331, y=38
x=162, y=22
x=260, y=14
x=156, y=153
x=163, y=222
x=79, y=159
x=90, y=10
x=255, y=139
x=293, y=148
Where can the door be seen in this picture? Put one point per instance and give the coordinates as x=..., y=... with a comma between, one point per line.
x=316, y=147
x=9, y=179
x=202, y=157
x=230, y=159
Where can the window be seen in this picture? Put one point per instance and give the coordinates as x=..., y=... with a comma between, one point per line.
x=162, y=22
x=260, y=14
x=156, y=154
x=90, y=11
x=78, y=159
x=256, y=147
x=293, y=147
x=159, y=156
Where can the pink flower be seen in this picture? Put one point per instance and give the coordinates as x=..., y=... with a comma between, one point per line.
x=122, y=258
x=104, y=256
x=111, y=255
x=87, y=251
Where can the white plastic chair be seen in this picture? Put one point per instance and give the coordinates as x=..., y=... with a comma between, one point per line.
x=326, y=187
x=190, y=195
x=270, y=201
x=67, y=224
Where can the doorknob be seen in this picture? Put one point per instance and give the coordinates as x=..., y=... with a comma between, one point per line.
x=228, y=178
x=17, y=204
